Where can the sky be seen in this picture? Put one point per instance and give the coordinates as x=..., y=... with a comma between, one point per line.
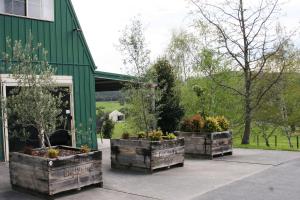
x=102, y=23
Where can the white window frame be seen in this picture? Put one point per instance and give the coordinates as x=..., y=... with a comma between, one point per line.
x=28, y=17
x=6, y=80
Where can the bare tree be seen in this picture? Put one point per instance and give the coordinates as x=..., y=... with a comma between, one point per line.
x=248, y=36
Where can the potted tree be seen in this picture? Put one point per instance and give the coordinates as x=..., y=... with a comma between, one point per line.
x=209, y=136
x=35, y=103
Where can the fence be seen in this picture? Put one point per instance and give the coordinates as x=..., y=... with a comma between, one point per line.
x=275, y=142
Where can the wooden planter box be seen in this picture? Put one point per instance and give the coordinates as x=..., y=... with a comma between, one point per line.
x=207, y=144
x=51, y=176
x=141, y=154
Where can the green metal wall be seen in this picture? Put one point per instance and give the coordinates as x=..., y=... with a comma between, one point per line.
x=67, y=51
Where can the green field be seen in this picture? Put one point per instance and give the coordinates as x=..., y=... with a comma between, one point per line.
x=282, y=143
x=109, y=106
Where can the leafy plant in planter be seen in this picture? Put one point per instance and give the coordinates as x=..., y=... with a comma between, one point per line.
x=33, y=103
x=206, y=136
x=212, y=125
x=147, y=151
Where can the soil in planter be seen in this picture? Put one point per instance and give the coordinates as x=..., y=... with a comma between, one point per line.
x=62, y=152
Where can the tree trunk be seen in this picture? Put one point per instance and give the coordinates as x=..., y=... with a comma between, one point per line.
x=290, y=142
x=247, y=77
x=267, y=142
x=48, y=140
x=248, y=111
x=42, y=139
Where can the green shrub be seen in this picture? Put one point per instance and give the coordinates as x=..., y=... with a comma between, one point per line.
x=107, y=128
x=125, y=135
x=223, y=123
x=170, y=136
x=155, y=135
x=53, y=153
x=211, y=125
x=141, y=135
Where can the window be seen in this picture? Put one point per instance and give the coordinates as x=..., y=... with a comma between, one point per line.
x=37, y=9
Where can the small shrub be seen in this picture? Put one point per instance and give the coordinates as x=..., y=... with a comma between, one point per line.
x=108, y=127
x=125, y=135
x=197, y=123
x=170, y=136
x=141, y=135
x=53, y=153
x=85, y=149
x=212, y=125
x=223, y=123
x=193, y=124
x=186, y=125
x=156, y=135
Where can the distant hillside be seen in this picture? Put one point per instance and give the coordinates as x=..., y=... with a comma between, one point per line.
x=109, y=96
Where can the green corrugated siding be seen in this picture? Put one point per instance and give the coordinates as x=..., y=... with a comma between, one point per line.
x=67, y=52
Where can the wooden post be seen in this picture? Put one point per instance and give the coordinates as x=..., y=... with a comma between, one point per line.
x=257, y=140
x=275, y=140
x=297, y=142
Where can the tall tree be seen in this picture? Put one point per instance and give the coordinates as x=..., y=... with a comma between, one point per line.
x=137, y=60
x=247, y=36
x=179, y=53
x=168, y=102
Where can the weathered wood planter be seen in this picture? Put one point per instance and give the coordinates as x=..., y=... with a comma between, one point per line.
x=207, y=144
x=141, y=154
x=51, y=176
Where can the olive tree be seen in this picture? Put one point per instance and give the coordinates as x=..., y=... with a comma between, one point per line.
x=34, y=102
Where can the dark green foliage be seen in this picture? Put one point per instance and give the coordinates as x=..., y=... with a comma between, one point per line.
x=108, y=127
x=168, y=104
x=100, y=118
x=141, y=135
x=125, y=135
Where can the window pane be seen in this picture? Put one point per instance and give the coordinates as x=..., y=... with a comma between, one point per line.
x=34, y=9
x=16, y=7
x=19, y=7
x=2, y=8
x=48, y=9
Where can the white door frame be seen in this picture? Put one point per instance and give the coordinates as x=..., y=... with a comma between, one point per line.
x=7, y=80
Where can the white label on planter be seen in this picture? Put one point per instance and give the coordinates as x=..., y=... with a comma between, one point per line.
x=50, y=163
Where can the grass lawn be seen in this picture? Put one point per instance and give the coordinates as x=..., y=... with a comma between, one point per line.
x=109, y=106
x=282, y=143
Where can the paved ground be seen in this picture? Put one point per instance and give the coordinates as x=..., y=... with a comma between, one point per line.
x=248, y=174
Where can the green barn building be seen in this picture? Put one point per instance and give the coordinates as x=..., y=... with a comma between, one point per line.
x=54, y=24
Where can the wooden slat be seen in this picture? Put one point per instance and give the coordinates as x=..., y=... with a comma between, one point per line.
x=51, y=176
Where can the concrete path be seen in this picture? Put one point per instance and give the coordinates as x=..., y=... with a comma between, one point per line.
x=248, y=174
